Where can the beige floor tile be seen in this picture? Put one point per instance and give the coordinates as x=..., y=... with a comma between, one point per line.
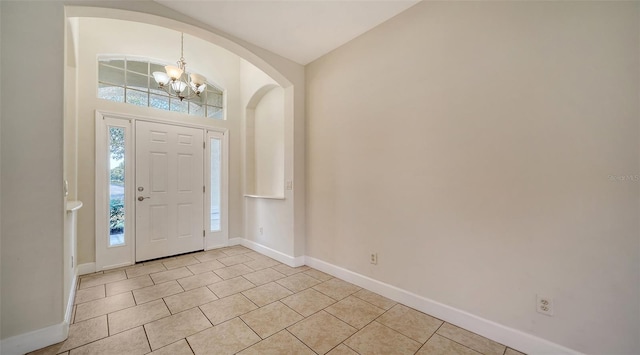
x=257, y=256
x=158, y=261
x=267, y=293
x=235, y=250
x=206, y=266
x=308, y=302
x=136, y=316
x=85, y=332
x=122, y=268
x=322, y=331
x=229, y=287
x=73, y=314
x=271, y=319
x=49, y=350
x=336, y=288
x=180, y=347
x=510, y=351
x=230, y=272
x=100, y=279
x=318, y=274
x=342, y=350
x=131, y=342
x=179, y=262
x=210, y=255
x=155, y=292
x=375, y=299
x=260, y=264
x=171, y=329
x=236, y=259
x=355, y=311
x=414, y=324
x=199, y=280
x=222, y=310
x=288, y=270
x=375, y=339
x=145, y=270
x=129, y=284
x=438, y=345
x=90, y=294
x=103, y=306
x=281, y=343
x=170, y=275
x=263, y=276
x=226, y=338
x=298, y=282
x=189, y=299
x=471, y=340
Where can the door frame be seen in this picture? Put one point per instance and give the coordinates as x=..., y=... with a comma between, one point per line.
x=217, y=239
x=126, y=253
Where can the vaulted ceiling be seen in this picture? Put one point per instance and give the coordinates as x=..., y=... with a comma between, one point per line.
x=300, y=30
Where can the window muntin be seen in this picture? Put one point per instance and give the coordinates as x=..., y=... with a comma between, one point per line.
x=130, y=80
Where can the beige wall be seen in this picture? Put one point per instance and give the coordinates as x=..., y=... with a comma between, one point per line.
x=32, y=145
x=472, y=146
x=269, y=143
x=32, y=157
x=274, y=216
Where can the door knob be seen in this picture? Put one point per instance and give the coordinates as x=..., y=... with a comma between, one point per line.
x=141, y=198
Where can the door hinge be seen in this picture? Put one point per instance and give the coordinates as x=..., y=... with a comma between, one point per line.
x=204, y=145
x=203, y=189
x=203, y=234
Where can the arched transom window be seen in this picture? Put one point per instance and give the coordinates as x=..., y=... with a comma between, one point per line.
x=130, y=80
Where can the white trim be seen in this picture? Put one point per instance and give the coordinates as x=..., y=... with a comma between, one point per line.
x=217, y=239
x=72, y=298
x=113, y=256
x=27, y=342
x=235, y=241
x=508, y=336
x=88, y=268
x=266, y=197
x=272, y=253
x=171, y=121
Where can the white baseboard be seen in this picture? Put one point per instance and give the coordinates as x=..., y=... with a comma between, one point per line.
x=27, y=342
x=72, y=298
x=272, y=253
x=235, y=241
x=510, y=337
x=88, y=268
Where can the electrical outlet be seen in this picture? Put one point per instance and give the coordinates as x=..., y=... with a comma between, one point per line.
x=373, y=258
x=261, y=231
x=544, y=305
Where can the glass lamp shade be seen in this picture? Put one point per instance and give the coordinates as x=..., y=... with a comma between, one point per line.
x=173, y=72
x=198, y=79
x=161, y=78
x=198, y=88
x=178, y=86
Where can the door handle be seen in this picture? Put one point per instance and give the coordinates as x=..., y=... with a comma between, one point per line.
x=141, y=198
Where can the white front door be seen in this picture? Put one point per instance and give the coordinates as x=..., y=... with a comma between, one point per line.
x=169, y=190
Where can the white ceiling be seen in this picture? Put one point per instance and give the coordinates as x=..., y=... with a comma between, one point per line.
x=300, y=30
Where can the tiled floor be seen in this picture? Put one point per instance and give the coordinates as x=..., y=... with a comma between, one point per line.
x=234, y=300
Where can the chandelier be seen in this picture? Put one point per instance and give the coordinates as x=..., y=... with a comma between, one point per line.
x=177, y=82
